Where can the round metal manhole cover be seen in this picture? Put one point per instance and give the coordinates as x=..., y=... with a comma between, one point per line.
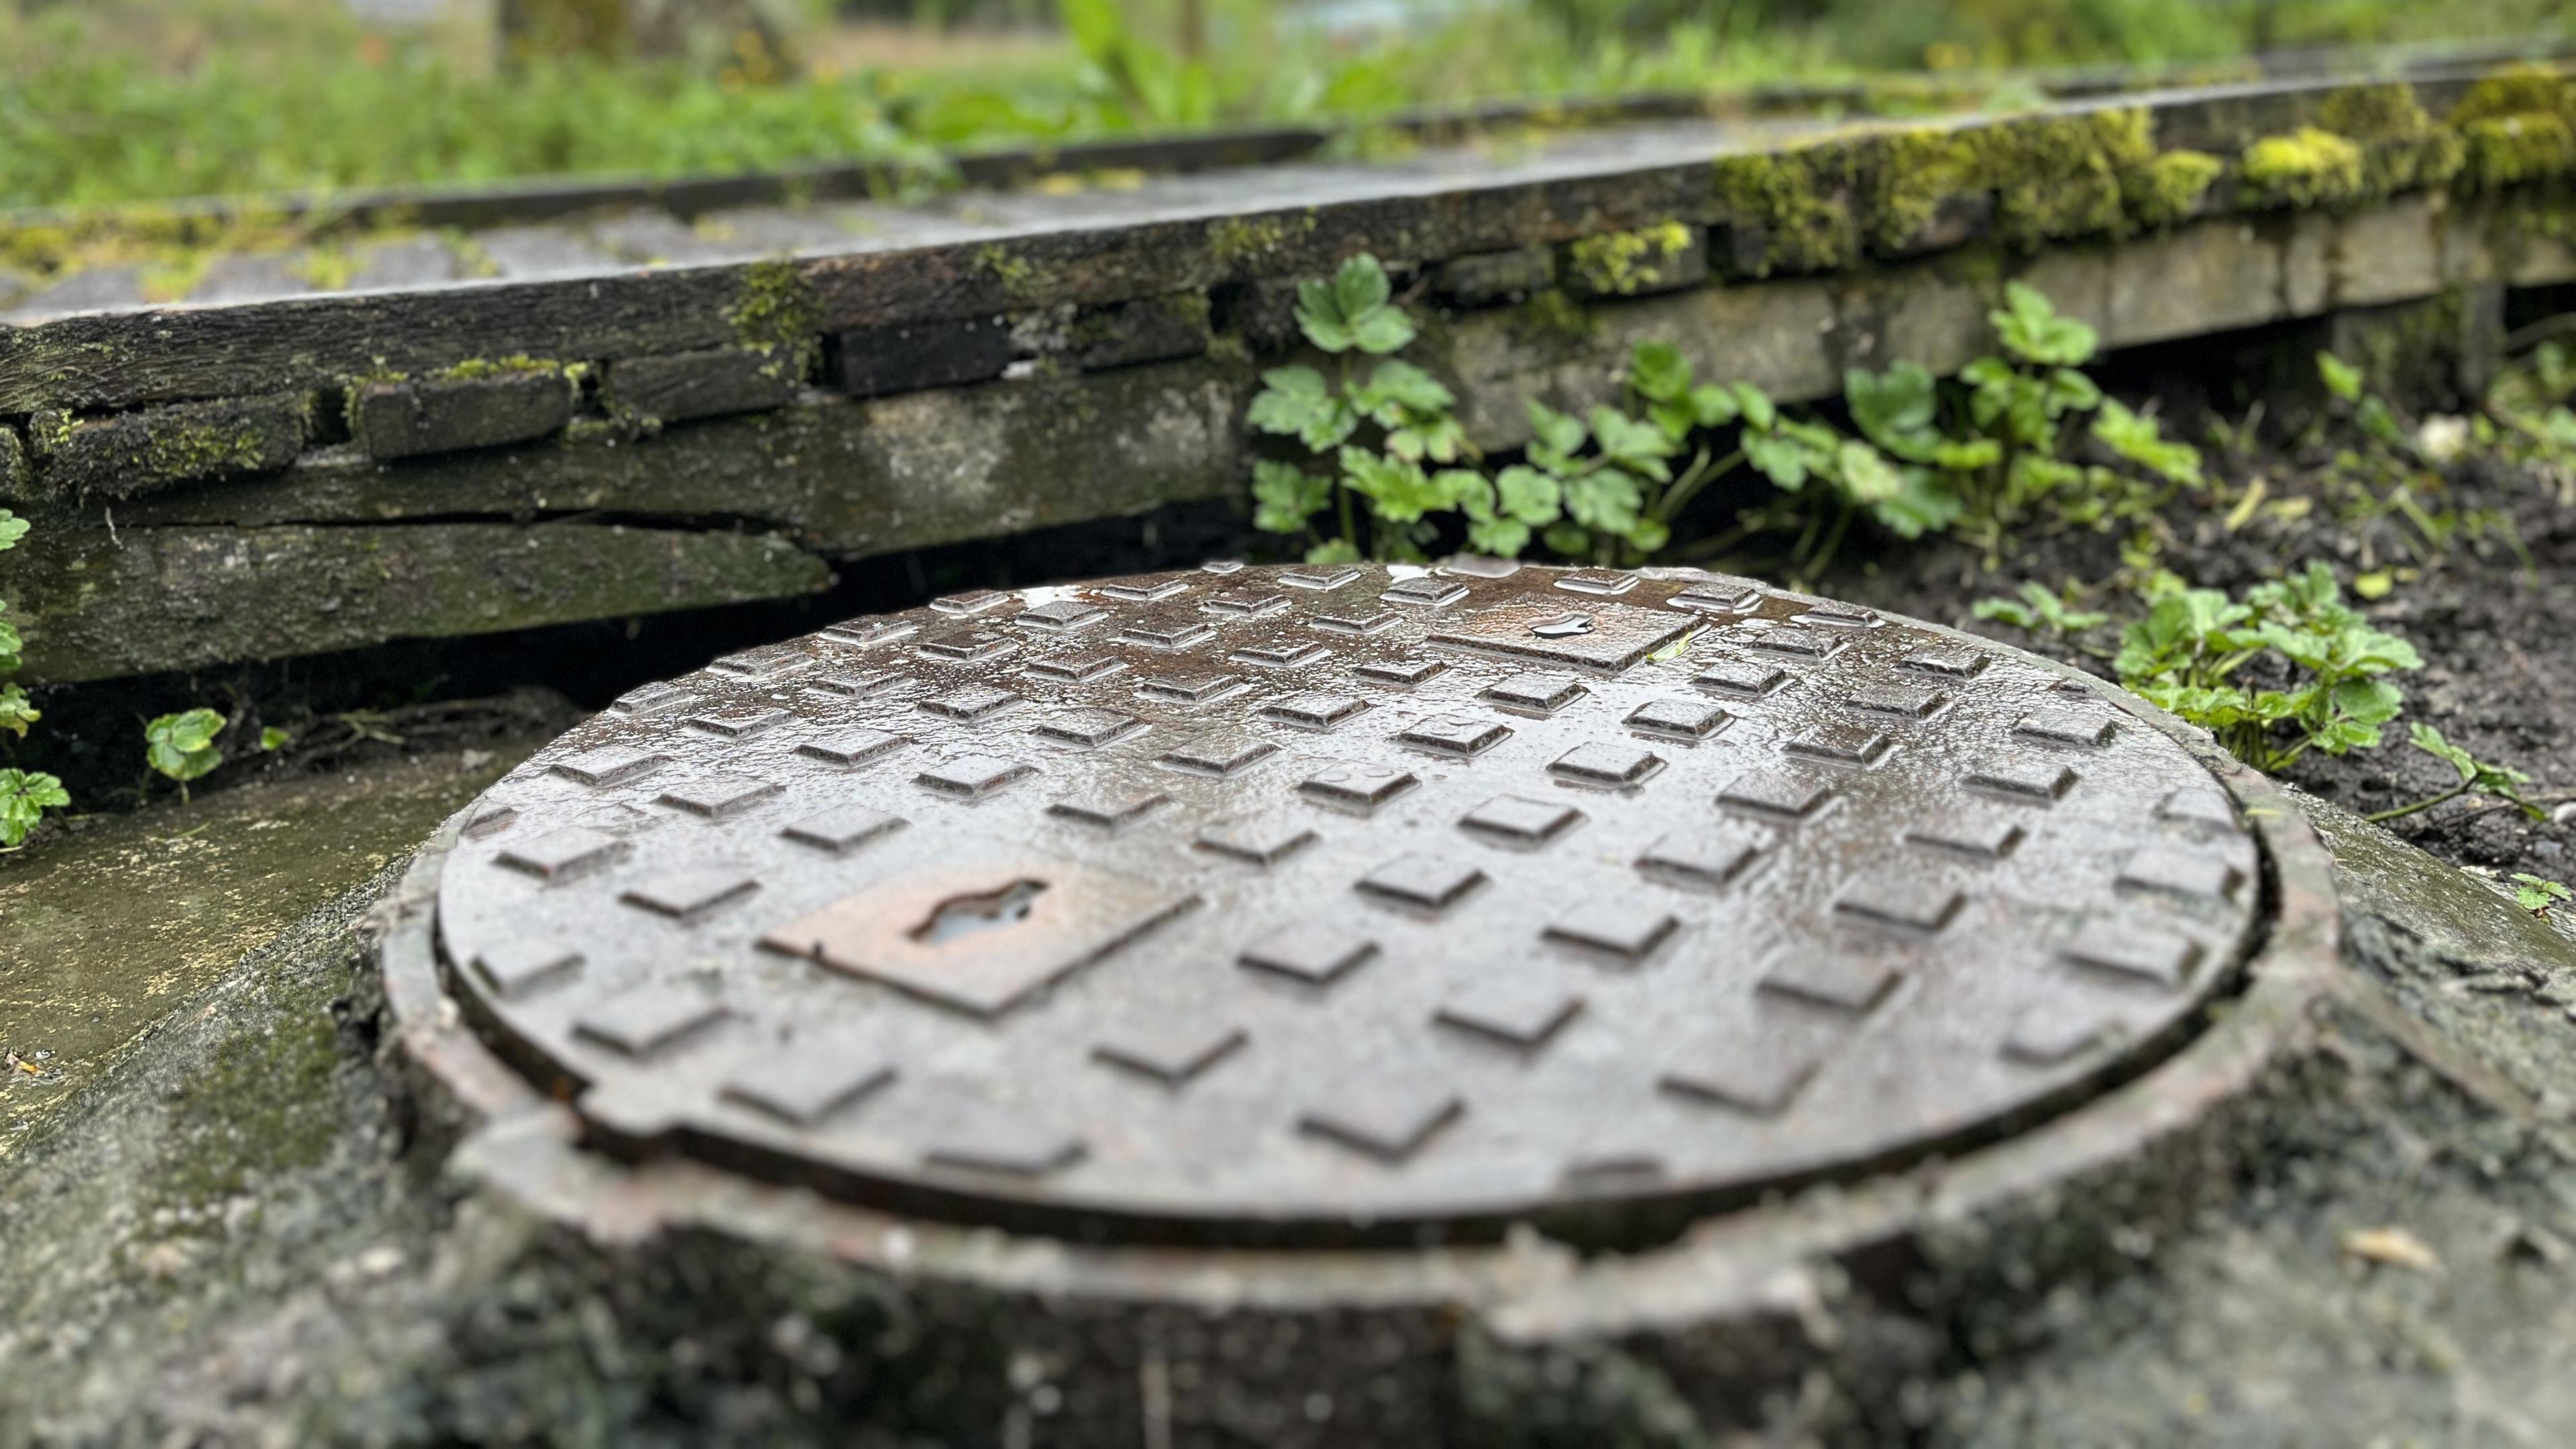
x=1243, y=901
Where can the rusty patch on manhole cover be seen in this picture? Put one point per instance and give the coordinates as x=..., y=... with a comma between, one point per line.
x=1178, y=905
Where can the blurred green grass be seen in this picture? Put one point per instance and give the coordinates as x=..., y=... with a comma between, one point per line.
x=112, y=101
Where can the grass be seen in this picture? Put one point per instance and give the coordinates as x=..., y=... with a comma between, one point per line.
x=119, y=101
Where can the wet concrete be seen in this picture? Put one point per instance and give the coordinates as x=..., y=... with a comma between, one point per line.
x=113, y=925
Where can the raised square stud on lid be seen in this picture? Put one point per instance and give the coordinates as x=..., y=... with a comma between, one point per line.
x=1076, y=668
x=1517, y=820
x=517, y=969
x=768, y=662
x=1320, y=576
x=1839, y=616
x=648, y=1020
x=740, y=721
x=690, y=894
x=854, y=746
x=1599, y=583
x=968, y=605
x=1704, y=859
x=1109, y=806
x=609, y=765
x=1741, y=678
x=1630, y=930
x=2180, y=872
x=563, y=854
x=1605, y=765
x=1195, y=686
x=1983, y=834
x=1425, y=592
x=2199, y=805
x=1536, y=693
x=2059, y=1029
x=1897, y=902
x=809, y=1081
x=1222, y=566
x=1088, y=728
x=1480, y=566
x=1452, y=734
x=857, y=683
x=1841, y=979
x=995, y=1140
x=1221, y=754
x=1359, y=788
x=1171, y=1051
x=972, y=777
x=868, y=633
x=1837, y=744
x=1748, y=1074
x=1244, y=603
x=1283, y=654
x=1676, y=717
x=1777, y=794
x=1430, y=882
x=2025, y=777
x=1314, y=709
x=2064, y=725
x=970, y=702
x=1955, y=661
x=2163, y=957
x=1899, y=698
x=967, y=646
x=1521, y=1010
x=718, y=796
x=1256, y=840
x=1310, y=952
x=1146, y=591
x=660, y=697
x=1355, y=621
x=1389, y=1119
x=1062, y=616
x=1791, y=640
x=1165, y=633
x=842, y=828
x=1717, y=596
x=1402, y=672
x=490, y=817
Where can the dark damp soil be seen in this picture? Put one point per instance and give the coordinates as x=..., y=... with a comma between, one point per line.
x=2498, y=636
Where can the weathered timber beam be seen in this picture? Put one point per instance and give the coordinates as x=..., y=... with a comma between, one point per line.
x=132, y=359
x=95, y=605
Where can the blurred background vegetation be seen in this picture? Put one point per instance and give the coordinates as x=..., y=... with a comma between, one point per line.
x=123, y=100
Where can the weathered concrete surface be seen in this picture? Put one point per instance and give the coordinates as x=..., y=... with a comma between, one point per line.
x=120, y=921
x=126, y=455
x=96, y=605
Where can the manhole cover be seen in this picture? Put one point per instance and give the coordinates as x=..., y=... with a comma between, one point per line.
x=1252, y=900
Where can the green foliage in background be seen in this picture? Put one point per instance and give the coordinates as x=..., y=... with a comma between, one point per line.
x=2326, y=665
x=25, y=795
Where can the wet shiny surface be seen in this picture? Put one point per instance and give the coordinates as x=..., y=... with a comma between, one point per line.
x=1312, y=895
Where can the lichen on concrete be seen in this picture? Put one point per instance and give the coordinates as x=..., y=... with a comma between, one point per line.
x=1624, y=263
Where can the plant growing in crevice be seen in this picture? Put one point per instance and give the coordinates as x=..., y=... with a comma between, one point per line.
x=25, y=795
x=2187, y=653
x=2539, y=894
x=181, y=747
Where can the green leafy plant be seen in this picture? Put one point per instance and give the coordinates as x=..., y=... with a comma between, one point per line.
x=182, y=746
x=2537, y=894
x=2187, y=653
x=2501, y=782
x=25, y=795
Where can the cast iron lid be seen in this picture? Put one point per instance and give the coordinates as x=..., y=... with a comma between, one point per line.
x=1271, y=900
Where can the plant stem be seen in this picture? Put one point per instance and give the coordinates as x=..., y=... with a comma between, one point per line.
x=2425, y=804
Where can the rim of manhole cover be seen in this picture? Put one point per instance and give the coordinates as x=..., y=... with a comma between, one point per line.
x=1104, y=950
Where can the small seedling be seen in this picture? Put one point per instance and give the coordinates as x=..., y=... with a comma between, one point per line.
x=2537, y=894
x=2502, y=782
x=25, y=796
x=182, y=746
x=2040, y=610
